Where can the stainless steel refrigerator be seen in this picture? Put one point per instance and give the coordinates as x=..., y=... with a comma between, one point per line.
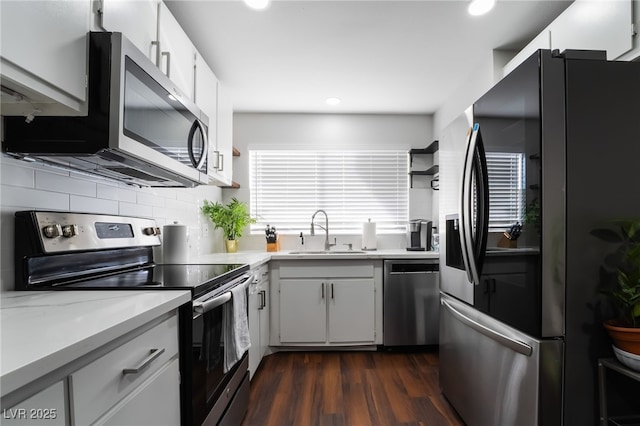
x=521, y=319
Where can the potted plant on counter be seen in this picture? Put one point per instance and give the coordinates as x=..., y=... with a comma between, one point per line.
x=232, y=218
x=620, y=275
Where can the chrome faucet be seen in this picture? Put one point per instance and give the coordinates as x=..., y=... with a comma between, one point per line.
x=327, y=245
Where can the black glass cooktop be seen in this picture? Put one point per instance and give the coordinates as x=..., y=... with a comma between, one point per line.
x=198, y=278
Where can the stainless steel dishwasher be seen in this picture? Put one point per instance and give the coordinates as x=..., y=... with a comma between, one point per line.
x=411, y=302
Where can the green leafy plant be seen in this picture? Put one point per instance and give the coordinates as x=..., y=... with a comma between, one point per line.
x=232, y=218
x=621, y=269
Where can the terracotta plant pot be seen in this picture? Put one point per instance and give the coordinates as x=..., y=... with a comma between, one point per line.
x=625, y=338
x=231, y=245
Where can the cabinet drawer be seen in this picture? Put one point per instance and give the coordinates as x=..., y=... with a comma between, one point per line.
x=162, y=393
x=96, y=387
x=327, y=269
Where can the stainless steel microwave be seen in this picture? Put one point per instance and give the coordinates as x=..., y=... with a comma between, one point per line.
x=139, y=129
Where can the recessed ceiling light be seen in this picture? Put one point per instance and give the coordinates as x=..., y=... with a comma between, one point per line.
x=257, y=4
x=480, y=7
x=333, y=101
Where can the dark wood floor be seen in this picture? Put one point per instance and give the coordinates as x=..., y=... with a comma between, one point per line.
x=348, y=388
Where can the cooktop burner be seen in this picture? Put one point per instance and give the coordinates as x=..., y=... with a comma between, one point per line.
x=197, y=278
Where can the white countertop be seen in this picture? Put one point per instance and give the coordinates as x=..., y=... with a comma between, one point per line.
x=42, y=331
x=255, y=258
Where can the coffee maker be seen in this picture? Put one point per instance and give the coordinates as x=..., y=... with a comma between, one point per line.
x=419, y=234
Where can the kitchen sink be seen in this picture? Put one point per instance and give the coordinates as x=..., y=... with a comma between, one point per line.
x=326, y=252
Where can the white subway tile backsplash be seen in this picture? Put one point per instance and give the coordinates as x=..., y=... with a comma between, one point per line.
x=27, y=198
x=107, y=192
x=127, y=195
x=66, y=184
x=149, y=197
x=78, y=203
x=169, y=193
x=17, y=176
x=130, y=209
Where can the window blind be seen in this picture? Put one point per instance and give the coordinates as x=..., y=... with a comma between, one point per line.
x=287, y=187
x=506, y=175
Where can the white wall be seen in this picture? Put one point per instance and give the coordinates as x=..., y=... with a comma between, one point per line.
x=335, y=132
x=29, y=186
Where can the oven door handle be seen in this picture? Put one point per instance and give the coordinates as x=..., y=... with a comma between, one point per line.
x=201, y=306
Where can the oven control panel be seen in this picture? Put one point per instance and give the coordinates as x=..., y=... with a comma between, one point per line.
x=64, y=231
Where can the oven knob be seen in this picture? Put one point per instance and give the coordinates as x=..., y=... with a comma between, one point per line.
x=69, y=231
x=52, y=231
x=151, y=231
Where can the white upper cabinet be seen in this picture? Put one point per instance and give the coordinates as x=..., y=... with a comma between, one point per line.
x=206, y=97
x=224, y=143
x=603, y=25
x=585, y=25
x=43, y=56
x=177, y=53
x=153, y=29
x=137, y=20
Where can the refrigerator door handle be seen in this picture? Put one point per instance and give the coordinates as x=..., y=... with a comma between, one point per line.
x=510, y=343
x=466, y=222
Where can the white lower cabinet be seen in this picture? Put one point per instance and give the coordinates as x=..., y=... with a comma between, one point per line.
x=44, y=56
x=47, y=407
x=303, y=311
x=258, y=317
x=99, y=388
x=351, y=311
x=326, y=303
x=133, y=380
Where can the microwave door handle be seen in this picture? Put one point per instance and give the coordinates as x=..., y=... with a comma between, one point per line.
x=464, y=209
x=198, y=162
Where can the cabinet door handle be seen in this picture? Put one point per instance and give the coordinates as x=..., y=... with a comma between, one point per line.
x=332, y=290
x=156, y=44
x=221, y=163
x=493, y=285
x=322, y=285
x=486, y=286
x=263, y=299
x=168, y=56
x=153, y=355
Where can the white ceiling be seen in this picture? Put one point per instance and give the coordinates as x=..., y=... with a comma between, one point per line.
x=402, y=57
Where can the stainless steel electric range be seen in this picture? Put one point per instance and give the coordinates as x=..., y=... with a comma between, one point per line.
x=79, y=251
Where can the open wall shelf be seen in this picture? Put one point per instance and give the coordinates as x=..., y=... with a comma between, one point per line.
x=433, y=170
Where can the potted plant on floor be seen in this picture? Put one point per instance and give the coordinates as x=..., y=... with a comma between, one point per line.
x=232, y=218
x=620, y=274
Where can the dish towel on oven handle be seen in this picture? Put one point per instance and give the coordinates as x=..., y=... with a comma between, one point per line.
x=236, y=327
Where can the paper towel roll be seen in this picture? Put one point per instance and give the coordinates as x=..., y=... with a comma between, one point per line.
x=174, y=243
x=369, y=235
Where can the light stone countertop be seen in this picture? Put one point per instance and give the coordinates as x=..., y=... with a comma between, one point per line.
x=256, y=258
x=45, y=330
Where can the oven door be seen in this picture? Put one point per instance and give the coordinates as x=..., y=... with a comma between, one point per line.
x=214, y=391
